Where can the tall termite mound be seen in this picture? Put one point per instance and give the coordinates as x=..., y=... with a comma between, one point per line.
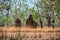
x=17, y=22
x=30, y=22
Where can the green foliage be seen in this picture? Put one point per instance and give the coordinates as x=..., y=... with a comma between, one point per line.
x=22, y=10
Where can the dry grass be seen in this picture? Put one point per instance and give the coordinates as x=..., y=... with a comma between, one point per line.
x=29, y=29
x=40, y=33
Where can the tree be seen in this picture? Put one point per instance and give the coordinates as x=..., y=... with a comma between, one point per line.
x=58, y=10
x=49, y=6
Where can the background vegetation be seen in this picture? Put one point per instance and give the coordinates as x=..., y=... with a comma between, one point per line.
x=41, y=11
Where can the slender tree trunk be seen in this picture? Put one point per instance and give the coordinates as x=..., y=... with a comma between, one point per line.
x=53, y=21
x=15, y=15
x=48, y=18
x=41, y=21
x=59, y=22
x=7, y=15
x=49, y=21
x=41, y=18
x=8, y=8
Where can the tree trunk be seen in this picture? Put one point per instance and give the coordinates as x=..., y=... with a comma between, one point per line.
x=53, y=21
x=49, y=21
x=41, y=21
x=59, y=22
x=48, y=18
x=7, y=15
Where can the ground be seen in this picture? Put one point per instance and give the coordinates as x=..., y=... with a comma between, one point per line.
x=26, y=33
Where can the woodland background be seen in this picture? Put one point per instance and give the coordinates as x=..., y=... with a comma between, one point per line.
x=44, y=12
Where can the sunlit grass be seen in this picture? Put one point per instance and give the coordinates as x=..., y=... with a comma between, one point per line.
x=24, y=28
